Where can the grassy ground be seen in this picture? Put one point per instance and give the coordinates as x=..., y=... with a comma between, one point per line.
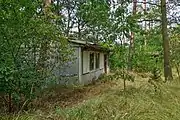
x=107, y=101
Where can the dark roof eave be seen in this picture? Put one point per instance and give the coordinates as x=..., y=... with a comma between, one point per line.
x=90, y=46
x=95, y=48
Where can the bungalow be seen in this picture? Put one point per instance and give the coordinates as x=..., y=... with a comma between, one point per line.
x=91, y=60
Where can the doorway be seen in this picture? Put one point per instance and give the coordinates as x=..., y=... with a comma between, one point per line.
x=105, y=63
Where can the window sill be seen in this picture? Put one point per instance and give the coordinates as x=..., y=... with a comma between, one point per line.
x=93, y=71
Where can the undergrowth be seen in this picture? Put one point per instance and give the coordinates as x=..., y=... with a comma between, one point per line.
x=134, y=104
x=138, y=102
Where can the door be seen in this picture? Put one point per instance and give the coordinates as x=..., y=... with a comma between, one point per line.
x=105, y=63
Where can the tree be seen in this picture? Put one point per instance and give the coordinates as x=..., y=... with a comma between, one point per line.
x=167, y=66
x=131, y=46
x=23, y=32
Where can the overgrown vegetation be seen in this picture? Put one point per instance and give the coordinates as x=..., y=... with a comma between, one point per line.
x=108, y=100
x=26, y=59
x=143, y=38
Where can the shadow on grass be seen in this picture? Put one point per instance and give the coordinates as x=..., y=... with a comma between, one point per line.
x=63, y=96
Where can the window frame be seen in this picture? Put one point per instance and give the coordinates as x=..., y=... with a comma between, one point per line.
x=97, y=60
x=91, y=61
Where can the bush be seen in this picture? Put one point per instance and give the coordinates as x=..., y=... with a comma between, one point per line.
x=31, y=48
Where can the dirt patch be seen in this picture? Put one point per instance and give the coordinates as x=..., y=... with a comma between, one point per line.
x=68, y=97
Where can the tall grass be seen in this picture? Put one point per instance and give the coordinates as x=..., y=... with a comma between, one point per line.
x=139, y=102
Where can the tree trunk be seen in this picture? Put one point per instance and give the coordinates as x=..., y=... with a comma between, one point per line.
x=167, y=67
x=130, y=56
x=131, y=46
x=177, y=69
x=41, y=65
x=47, y=4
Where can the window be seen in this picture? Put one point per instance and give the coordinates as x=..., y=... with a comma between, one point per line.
x=97, y=60
x=91, y=61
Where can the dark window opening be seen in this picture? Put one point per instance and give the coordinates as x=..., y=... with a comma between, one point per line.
x=97, y=60
x=91, y=61
x=82, y=62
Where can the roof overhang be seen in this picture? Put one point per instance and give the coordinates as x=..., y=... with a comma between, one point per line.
x=90, y=46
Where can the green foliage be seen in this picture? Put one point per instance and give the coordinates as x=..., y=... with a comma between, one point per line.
x=125, y=75
x=149, y=56
x=23, y=32
x=145, y=59
x=32, y=45
x=118, y=57
x=174, y=48
x=174, y=45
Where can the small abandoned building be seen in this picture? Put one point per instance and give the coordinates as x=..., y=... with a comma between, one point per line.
x=91, y=60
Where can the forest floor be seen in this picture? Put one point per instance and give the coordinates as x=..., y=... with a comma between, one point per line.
x=106, y=100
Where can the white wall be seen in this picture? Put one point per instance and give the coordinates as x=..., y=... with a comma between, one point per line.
x=88, y=75
x=72, y=68
x=87, y=78
x=102, y=60
x=83, y=76
x=86, y=59
x=68, y=74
